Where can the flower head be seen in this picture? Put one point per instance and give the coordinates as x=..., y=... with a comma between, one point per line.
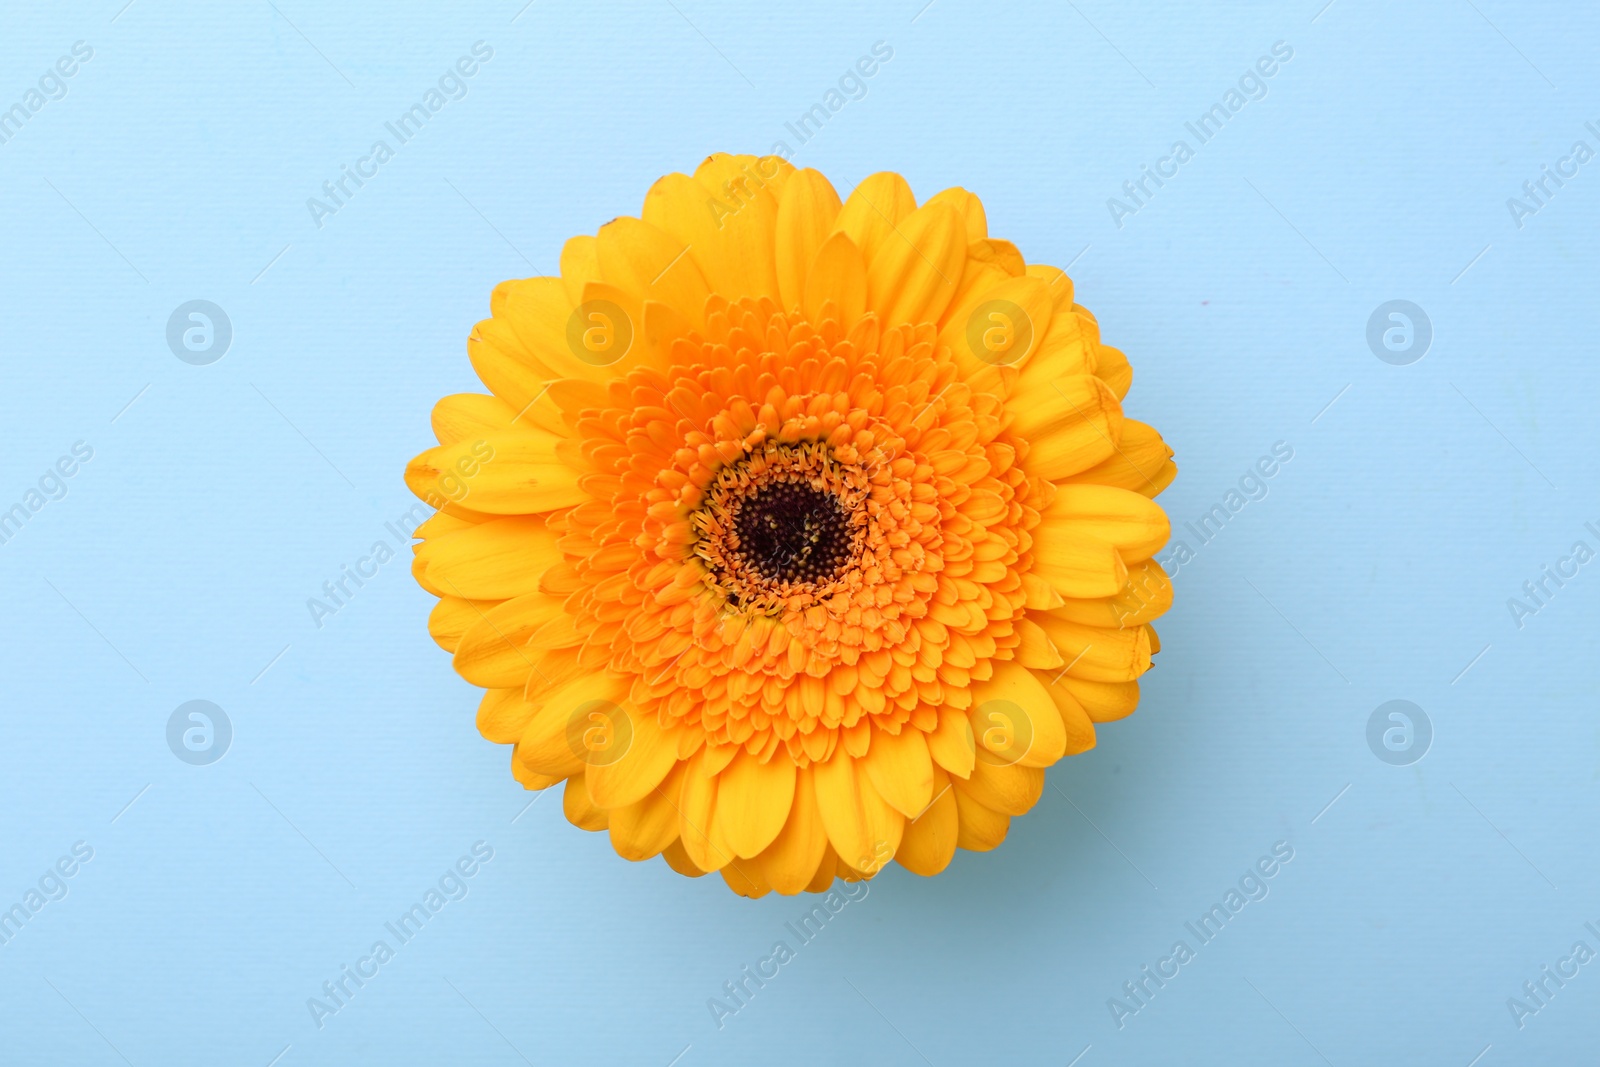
x=795, y=536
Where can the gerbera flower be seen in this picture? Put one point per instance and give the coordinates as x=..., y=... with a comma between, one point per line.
x=795, y=536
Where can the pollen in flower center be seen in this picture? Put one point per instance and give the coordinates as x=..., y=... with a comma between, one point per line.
x=792, y=532
x=783, y=527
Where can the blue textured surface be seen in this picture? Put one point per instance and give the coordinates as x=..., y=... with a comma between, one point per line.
x=1377, y=566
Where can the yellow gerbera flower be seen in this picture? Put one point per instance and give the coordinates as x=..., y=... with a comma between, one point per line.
x=795, y=536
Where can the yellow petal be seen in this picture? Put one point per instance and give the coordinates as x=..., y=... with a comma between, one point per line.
x=1097, y=653
x=648, y=263
x=753, y=801
x=1074, y=719
x=493, y=653
x=642, y=829
x=509, y=474
x=838, y=275
x=952, y=745
x=1142, y=462
x=1070, y=426
x=806, y=214
x=860, y=823
x=555, y=741
x=791, y=861
x=495, y=560
x=696, y=806
x=930, y=839
x=470, y=415
x=730, y=222
x=981, y=828
x=1034, y=648
x=1102, y=701
x=1146, y=596
x=452, y=617
x=677, y=858
x=968, y=206
x=1002, y=325
x=580, y=264
x=503, y=715
x=873, y=209
x=912, y=276
x=1009, y=789
x=1015, y=720
x=900, y=770
x=580, y=810
x=1084, y=568
x=529, y=779
x=1135, y=524
x=629, y=753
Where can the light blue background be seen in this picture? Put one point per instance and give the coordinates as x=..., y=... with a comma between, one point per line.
x=179, y=563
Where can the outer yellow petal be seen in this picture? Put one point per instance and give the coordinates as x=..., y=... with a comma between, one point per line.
x=806, y=215
x=900, y=770
x=930, y=838
x=1074, y=719
x=912, y=276
x=580, y=810
x=493, y=653
x=838, y=275
x=1098, y=654
x=790, y=863
x=860, y=823
x=1084, y=568
x=1147, y=596
x=495, y=560
x=452, y=617
x=873, y=209
x=1103, y=701
x=642, y=829
x=968, y=206
x=580, y=264
x=1001, y=325
x=503, y=715
x=1010, y=790
x=696, y=806
x=648, y=263
x=470, y=415
x=622, y=770
x=510, y=474
x=1142, y=462
x=952, y=745
x=981, y=828
x=1071, y=426
x=1015, y=720
x=740, y=198
x=1135, y=524
x=753, y=801
x=554, y=742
